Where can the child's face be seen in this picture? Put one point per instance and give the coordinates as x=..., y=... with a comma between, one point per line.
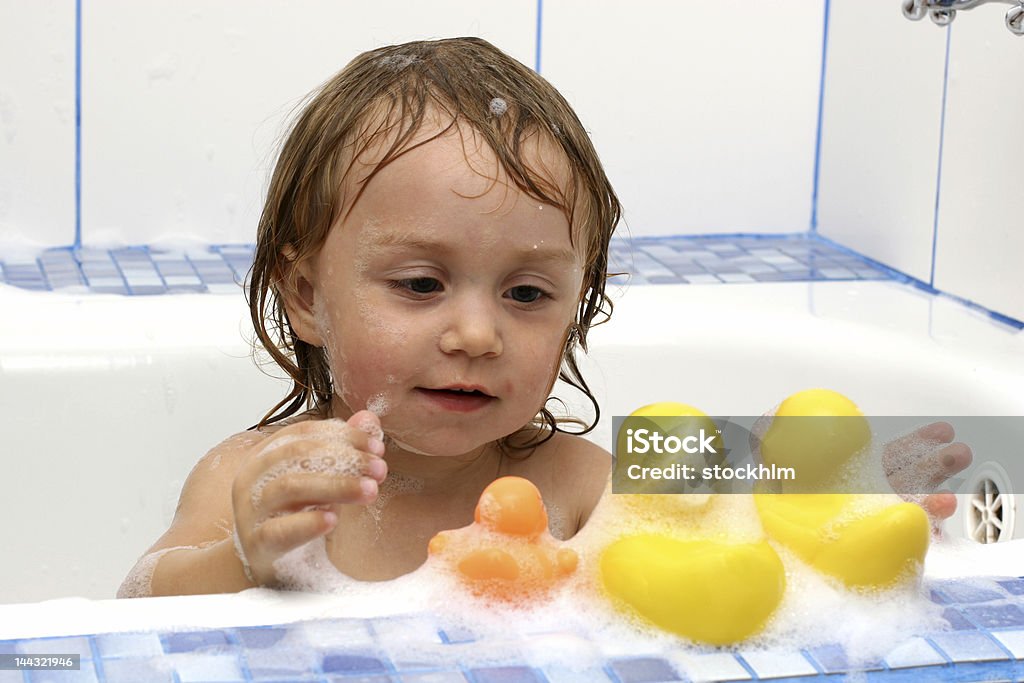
x=445, y=276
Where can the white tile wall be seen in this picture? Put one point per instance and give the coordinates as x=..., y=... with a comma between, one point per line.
x=880, y=133
x=183, y=100
x=37, y=122
x=980, y=245
x=704, y=113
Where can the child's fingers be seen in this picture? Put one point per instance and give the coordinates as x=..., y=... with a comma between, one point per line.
x=335, y=449
x=293, y=491
x=940, y=505
x=949, y=460
x=278, y=535
x=368, y=423
x=934, y=433
x=925, y=458
x=927, y=472
x=939, y=432
x=956, y=457
x=325, y=434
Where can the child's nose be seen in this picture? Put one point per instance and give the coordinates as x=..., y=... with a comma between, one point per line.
x=472, y=330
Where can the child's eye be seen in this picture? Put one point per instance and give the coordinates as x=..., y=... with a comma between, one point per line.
x=418, y=285
x=526, y=294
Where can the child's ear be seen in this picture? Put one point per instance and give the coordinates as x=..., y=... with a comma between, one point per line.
x=299, y=296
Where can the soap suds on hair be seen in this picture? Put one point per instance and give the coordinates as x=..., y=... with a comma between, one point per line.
x=398, y=62
x=498, y=106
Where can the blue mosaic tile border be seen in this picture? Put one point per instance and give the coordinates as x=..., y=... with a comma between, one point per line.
x=141, y=270
x=716, y=259
x=984, y=641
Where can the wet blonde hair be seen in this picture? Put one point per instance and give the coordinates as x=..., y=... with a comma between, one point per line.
x=382, y=99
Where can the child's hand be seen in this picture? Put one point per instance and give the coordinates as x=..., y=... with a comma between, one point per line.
x=282, y=497
x=916, y=464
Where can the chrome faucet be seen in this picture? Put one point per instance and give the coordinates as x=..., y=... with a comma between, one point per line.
x=942, y=12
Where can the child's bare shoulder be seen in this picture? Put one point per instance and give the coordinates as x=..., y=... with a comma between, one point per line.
x=224, y=459
x=578, y=456
x=204, y=508
x=572, y=473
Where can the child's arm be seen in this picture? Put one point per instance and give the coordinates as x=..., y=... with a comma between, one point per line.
x=258, y=499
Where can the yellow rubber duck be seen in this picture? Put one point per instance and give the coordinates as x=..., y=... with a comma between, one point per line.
x=871, y=549
x=710, y=591
x=815, y=432
x=707, y=591
x=722, y=593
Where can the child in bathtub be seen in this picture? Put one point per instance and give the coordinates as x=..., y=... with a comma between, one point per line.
x=432, y=251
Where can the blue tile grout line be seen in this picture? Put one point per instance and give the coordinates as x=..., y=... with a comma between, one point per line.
x=312, y=650
x=143, y=270
x=942, y=140
x=821, y=112
x=539, y=36
x=925, y=287
x=78, y=124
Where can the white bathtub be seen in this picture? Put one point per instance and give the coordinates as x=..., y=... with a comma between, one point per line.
x=107, y=402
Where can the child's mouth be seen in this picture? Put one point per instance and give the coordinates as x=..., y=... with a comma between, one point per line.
x=458, y=399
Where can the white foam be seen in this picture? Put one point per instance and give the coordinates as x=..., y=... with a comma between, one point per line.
x=394, y=484
x=398, y=62
x=308, y=568
x=379, y=404
x=346, y=463
x=498, y=106
x=334, y=456
x=139, y=582
x=406, y=447
x=815, y=609
x=234, y=443
x=240, y=552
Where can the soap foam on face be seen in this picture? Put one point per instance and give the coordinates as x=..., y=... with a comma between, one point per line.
x=379, y=404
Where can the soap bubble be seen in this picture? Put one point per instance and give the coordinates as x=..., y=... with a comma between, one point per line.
x=498, y=106
x=379, y=404
x=398, y=62
x=139, y=582
x=343, y=462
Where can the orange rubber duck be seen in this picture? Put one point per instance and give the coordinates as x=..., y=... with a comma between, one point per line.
x=507, y=553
